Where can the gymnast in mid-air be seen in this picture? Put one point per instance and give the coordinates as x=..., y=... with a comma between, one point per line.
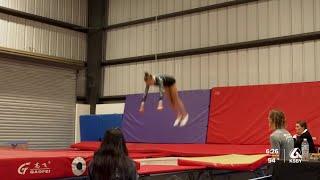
x=167, y=85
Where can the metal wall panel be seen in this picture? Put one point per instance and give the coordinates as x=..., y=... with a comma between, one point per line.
x=129, y=10
x=31, y=36
x=297, y=62
x=81, y=83
x=241, y=23
x=37, y=104
x=71, y=11
x=284, y=63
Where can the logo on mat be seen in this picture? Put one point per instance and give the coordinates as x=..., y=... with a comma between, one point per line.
x=23, y=168
x=78, y=166
x=38, y=168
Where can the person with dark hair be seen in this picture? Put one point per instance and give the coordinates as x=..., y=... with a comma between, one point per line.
x=303, y=133
x=111, y=161
x=280, y=139
x=167, y=85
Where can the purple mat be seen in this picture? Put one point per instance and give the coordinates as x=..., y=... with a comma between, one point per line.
x=153, y=126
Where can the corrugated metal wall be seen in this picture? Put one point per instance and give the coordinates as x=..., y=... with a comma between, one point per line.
x=258, y=20
x=252, y=21
x=81, y=83
x=129, y=10
x=71, y=11
x=26, y=35
x=37, y=104
x=285, y=63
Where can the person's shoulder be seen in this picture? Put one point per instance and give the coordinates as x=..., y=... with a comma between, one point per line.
x=275, y=133
x=286, y=132
x=278, y=133
x=164, y=76
x=281, y=131
x=131, y=162
x=307, y=134
x=274, y=136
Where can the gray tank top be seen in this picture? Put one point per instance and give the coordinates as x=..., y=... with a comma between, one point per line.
x=282, y=140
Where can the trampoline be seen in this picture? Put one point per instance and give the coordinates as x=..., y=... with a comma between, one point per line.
x=185, y=150
x=29, y=164
x=213, y=149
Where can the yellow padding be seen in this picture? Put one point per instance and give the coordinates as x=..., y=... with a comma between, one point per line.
x=228, y=159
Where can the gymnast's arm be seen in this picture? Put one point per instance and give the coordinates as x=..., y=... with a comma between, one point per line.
x=161, y=89
x=146, y=90
x=141, y=109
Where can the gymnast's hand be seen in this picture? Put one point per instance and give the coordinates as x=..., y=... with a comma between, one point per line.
x=141, y=109
x=160, y=106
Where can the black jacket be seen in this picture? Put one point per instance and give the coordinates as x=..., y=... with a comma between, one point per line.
x=298, y=141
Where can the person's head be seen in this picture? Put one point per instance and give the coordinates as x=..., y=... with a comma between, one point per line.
x=111, y=157
x=114, y=143
x=277, y=119
x=300, y=126
x=148, y=79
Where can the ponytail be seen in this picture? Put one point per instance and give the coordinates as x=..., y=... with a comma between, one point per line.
x=147, y=76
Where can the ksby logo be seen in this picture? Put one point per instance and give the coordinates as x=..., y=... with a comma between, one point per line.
x=295, y=156
x=23, y=168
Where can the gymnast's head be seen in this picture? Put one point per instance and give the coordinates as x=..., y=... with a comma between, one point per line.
x=148, y=79
x=277, y=119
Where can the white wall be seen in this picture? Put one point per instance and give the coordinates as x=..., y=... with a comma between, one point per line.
x=31, y=36
x=71, y=11
x=247, y=22
x=128, y=10
x=298, y=62
x=81, y=109
x=115, y=108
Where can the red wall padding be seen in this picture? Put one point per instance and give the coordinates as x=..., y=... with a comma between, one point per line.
x=239, y=115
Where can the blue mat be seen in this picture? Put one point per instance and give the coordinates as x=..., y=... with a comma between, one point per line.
x=93, y=127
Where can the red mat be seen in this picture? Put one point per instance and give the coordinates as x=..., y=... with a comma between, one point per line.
x=183, y=149
x=147, y=155
x=27, y=164
x=239, y=115
x=157, y=169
